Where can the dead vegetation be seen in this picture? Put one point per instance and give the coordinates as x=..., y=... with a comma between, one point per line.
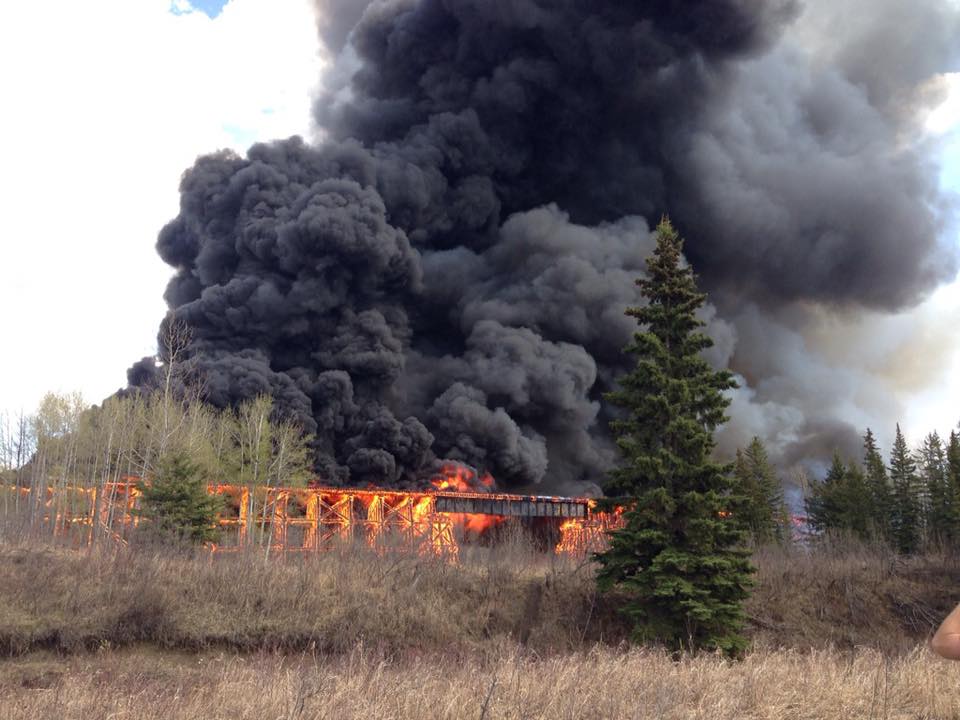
x=70, y=601
x=509, y=632
x=850, y=595
x=505, y=684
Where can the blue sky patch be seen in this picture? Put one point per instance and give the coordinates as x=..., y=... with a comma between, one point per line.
x=210, y=8
x=950, y=159
x=244, y=137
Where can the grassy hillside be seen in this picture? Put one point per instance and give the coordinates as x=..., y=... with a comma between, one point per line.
x=65, y=600
x=507, y=633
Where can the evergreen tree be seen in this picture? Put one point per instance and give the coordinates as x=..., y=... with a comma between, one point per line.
x=953, y=460
x=176, y=503
x=855, y=503
x=840, y=502
x=905, y=515
x=825, y=504
x=878, y=485
x=941, y=521
x=763, y=512
x=953, y=480
x=679, y=557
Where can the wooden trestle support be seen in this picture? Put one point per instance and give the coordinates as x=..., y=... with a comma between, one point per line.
x=313, y=519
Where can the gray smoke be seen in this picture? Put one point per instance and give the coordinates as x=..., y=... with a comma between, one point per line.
x=444, y=274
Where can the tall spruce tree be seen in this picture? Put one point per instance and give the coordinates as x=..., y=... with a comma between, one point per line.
x=825, y=504
x=679, y=558
x=941, y=522
x=878, y=484
x=905, y=515
x=953, y=479
x=763, y=512
x=840, y=502
x=953, y=463
x=856, y=503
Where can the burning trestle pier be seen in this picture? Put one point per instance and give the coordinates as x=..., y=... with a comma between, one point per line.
x=292, y=520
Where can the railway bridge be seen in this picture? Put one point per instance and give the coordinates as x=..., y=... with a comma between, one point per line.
x=317, y=518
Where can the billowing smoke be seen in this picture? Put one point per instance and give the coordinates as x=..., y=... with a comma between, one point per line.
x=443, y=274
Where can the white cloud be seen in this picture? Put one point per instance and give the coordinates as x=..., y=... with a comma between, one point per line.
x=105, y=104
x=936, y=405
x=946, y=116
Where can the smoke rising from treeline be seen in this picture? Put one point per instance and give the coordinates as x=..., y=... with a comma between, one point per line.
x=444, y=274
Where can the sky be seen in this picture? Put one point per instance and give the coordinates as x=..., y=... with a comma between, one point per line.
x=105, y=108
x=103, y=111
x=935, y=405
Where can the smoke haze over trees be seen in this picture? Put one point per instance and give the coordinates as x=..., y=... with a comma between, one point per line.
x=443, y=273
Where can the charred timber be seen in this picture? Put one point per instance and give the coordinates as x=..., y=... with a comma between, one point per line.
x=512, y=505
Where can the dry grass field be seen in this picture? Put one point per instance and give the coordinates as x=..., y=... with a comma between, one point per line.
x=67, y=600
x=506, y=633
x=602, y=683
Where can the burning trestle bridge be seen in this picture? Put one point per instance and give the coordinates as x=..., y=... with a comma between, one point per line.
x=317, y=518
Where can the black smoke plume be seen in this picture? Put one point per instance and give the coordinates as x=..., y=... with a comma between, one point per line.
x=444, y=273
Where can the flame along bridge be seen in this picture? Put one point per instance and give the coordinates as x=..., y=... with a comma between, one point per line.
x=317, y=518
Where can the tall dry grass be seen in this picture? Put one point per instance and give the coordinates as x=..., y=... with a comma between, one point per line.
x=850, y=594
x=68, y=600
x=601, y=683
x=508, y=632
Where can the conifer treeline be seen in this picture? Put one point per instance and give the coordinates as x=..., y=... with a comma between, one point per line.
x=911, y=502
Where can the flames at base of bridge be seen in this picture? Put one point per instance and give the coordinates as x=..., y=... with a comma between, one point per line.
x=311, y=519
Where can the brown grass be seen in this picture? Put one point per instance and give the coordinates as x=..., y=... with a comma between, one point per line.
x=506, y=633
x=602, y=683
x=70, y=601
x=850, y=595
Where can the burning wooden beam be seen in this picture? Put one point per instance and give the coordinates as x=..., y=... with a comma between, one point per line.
x=314, y=518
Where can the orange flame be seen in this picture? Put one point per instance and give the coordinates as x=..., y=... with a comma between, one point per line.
x=477, y=524
x=571, y=536
x=579, y=536
x=312, y=518
x=457, y=477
